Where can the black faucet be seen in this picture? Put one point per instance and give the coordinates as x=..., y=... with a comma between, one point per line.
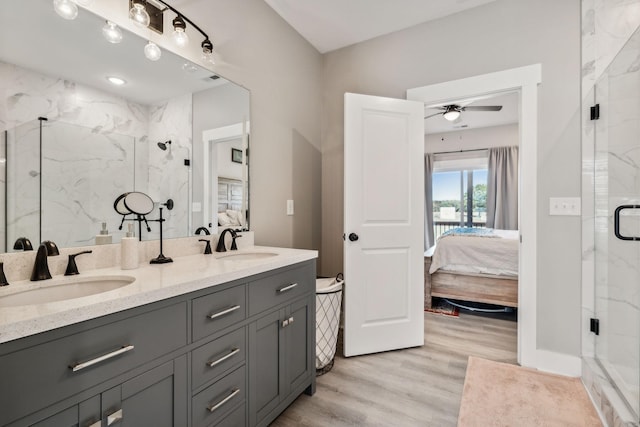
x=41, y=267
x=72, y=267
x=206, y=231
x=221, y=247
x=22, y=244
x=207, y=248
x=234, y=236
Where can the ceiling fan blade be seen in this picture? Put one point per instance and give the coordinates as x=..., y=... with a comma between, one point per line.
x=482, y=108
x=433, y=115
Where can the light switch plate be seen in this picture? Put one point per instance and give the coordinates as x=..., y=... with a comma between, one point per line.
x=565, y=206
x=289, y=207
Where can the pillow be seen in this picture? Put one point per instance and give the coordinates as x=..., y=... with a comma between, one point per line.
x=235, y=217
x=224, y=220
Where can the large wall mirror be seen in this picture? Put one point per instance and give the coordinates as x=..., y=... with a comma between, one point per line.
x=72, y=141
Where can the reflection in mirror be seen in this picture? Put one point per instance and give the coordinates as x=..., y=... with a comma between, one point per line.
x=72, y=142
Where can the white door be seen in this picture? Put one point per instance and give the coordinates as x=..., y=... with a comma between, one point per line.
x=384, y=224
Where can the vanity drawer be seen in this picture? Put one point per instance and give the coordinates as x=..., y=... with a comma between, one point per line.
x=216, y=311
x=214, y=358
x=220, y=399
x=57, y=369
x=273, y=290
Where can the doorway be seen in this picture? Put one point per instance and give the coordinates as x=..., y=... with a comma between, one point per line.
x=524, y=80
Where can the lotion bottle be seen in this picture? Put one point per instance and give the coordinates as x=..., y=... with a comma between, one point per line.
x=129, y=250
x=104, y=238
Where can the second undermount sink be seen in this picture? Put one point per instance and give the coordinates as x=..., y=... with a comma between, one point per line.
x=65, y=289
x=247, y=256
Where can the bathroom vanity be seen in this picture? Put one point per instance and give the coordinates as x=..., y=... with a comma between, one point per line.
x=203, y=341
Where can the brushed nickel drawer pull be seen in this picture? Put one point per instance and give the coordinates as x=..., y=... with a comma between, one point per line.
x=223, y=401
x=285, y=323
x=232, y=353
x=96, y=424
x=115, y=417
x=223, y=312
x=291, y=320
x=287, y=288
x=79, y=366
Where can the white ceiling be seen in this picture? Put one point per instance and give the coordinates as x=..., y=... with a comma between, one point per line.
x=331, y=24
x=79, y=53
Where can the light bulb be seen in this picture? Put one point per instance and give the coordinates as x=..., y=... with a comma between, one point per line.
x=139, y=15
x=152, y=51
x=180, y=37
x=66, y=8
x=208, y=58
x=111, y=32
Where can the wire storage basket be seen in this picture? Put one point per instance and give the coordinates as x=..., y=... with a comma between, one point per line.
x=328, y=303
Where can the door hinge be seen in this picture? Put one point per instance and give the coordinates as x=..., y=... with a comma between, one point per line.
x=595, y=326
x=595, y=112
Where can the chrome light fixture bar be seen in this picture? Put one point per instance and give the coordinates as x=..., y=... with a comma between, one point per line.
x=145, y=13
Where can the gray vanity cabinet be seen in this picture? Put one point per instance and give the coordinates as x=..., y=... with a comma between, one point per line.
x=281, y=345
x=235, y=354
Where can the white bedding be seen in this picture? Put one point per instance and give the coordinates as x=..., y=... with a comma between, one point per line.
x=496, y=254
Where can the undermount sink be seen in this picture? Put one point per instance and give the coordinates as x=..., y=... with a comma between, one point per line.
x=247, y=256
x=66, y=289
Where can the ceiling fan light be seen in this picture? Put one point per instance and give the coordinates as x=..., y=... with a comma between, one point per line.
x=451, y=115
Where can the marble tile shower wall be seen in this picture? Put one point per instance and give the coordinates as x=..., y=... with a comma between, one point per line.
x=79, y=117
x=606, y=27
x=609, y=165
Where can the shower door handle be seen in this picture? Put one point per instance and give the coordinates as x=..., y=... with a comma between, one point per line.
x=616, y=222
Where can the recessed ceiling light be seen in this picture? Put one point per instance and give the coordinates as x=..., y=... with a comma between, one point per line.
x=116, y=80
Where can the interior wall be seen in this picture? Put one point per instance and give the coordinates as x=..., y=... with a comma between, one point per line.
x=521, y=33
x=257, y=49
x=472, y=139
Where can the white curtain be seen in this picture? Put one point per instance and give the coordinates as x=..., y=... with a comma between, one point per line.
x=502, y=188
x=428, y=202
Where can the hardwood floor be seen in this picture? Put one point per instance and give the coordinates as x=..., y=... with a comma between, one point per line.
x=413, y=387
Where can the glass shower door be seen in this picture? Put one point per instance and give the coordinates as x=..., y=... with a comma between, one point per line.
x=617, y=222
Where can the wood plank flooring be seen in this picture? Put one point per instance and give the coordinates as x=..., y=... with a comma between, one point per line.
x=413, y=387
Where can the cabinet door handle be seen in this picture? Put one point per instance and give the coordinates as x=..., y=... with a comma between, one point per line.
x=115, y=417
x=285, y=323
x=223, y=312
x=232, y=353
x=287, y=288
x=79, y=366
x=291, y=320
x=96, y=424
x=212, y=408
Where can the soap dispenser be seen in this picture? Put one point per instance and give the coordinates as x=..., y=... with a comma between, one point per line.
x=129, y=250
x=104, y=238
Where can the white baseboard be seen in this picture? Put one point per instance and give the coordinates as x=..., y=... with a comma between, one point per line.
x=558, y=363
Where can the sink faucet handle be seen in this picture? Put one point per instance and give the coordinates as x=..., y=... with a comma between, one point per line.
x=207, y=248
x=3, y=278
x=234, y=236
x=23, y=244
x=72, y=267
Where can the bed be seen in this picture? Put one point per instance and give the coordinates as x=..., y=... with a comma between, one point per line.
x=473, y=264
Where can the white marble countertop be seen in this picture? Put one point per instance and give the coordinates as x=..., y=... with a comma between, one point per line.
x=151, y=283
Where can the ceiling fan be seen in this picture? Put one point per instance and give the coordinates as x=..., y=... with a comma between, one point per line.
x=452, y=111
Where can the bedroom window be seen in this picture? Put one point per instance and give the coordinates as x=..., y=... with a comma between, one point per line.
x=459, y=191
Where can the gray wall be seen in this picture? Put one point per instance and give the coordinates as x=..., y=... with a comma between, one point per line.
x=501, y=35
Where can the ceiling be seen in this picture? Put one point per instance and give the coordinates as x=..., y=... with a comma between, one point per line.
x=79, y=53
x=475, y=119
x=332, y=24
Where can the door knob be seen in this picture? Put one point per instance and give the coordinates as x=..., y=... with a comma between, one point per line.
x=353, y=237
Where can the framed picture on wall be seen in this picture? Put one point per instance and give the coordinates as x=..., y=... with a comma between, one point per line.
x=236, y=155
